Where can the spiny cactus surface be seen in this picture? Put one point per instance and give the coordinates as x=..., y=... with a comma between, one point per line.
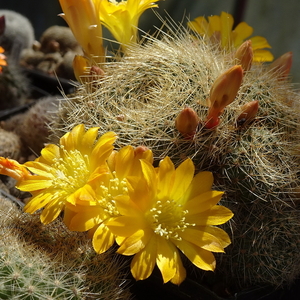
x=256, y=163
x=38, y=262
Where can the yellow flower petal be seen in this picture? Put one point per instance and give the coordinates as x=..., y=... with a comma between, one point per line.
x=125, y=225
x=143, y=262
x=226, y=27
x=165, y=259
x=203, y=239
x=201, y=258
x=52, y=211
x=87, y=218
x=71, y=139
x=88, y=140
x=50, y=152
x=263, y=55
x=123, y=160
x=180, y=273
x=103, y=148
x=89, y=32
x=135, y=242
x=183, y=176
x=214, y=25
x=166, y=174
x=84, y=196
x=201, y=183
x=103, y=239
x=259, y=42
x=241, y=32
x=199, y=25
x=203, y=202
x=219, y=233
x=38, y=202
x=38, y=183
x=40, y=169
x=217, y=215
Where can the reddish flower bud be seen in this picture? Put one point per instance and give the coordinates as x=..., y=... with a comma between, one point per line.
x=187, y=122
x=222, y=93
x=244, y=55
x=225, y=88
x=282, y=65
x=249, y=111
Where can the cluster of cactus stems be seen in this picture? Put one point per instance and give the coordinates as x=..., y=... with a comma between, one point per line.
x=43, y=263
x=183, y=97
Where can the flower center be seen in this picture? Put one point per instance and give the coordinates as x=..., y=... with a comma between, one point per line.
x=71, y=171
x=168, y=219
x=108, y=191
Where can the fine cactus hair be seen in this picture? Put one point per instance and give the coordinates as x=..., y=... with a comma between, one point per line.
x=31, y=126
x=256, y=163
x=10, y=144
x=50, y=262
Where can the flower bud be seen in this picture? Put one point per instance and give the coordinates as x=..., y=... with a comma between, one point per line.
x=81, y=67
x=222, y=93
x=244, y=55
x=96, y=73
x=225, y=88
x=187, y=122
x=282, y=65
x=249, y=111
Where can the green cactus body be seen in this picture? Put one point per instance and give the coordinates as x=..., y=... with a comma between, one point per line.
x=49, y=262
x=256, y=164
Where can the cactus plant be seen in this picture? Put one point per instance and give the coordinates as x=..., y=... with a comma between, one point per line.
x=38, y=262
x=254, y=160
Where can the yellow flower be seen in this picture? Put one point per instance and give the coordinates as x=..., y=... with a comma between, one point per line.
x=83, y=19
x=121, y=18
x=220, y=28
x=169, y=209
x=92, y=213
x=62, y=172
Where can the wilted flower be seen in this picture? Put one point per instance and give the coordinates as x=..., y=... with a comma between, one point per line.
x=167, y=209
x=219, y=29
